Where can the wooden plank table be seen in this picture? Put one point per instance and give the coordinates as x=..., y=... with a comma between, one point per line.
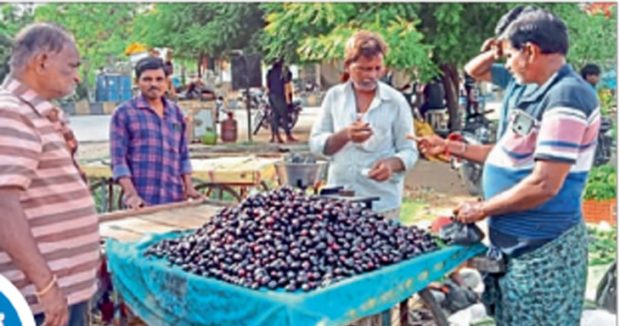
x=132, y=225
x=233, y=175
x=237, y=170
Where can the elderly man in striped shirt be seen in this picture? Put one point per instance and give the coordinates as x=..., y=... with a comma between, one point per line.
x=49, y=239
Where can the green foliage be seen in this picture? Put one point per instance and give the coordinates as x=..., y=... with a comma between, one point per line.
x=194, y=29
x=459, y=29
x=451, y=33
x=5, y=53
x=607, y=100
x=601, y=184
x=289, y=24
x=601, y=246
x=12, y=18
x=314, y=32
x=101, y=30
x=592, y=38
x=422, y=36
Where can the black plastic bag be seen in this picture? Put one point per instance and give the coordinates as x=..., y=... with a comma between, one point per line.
x=458, y=297
x=460, y=233
x=606, y=294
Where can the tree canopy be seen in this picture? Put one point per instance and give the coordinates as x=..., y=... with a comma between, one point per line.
x=101, y=30
x=424, y=38
x=195, y=29
x=315, y=32
x=12, y=19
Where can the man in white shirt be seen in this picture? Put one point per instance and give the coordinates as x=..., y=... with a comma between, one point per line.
x=362, y=128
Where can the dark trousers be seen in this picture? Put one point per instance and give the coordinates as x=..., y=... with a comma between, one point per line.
x=78, y=315
x=471, y=108
x=279, y=114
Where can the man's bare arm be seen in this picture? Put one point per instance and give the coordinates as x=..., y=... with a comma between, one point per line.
x=479, y=67
x=474, y=153
x=336, y=142
x=543, y=184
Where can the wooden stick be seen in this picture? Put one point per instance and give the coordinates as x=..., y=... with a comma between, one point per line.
x=158, y=208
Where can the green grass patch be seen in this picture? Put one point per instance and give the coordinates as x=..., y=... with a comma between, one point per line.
x=412, y=211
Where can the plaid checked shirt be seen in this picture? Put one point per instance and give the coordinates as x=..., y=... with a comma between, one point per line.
x=152, y=151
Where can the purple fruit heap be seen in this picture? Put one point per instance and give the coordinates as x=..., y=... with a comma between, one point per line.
x=285, y=239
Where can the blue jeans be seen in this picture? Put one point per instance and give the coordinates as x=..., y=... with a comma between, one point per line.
x=78, y=315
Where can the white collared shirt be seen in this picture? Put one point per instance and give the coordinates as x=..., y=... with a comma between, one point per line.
x=391, y=120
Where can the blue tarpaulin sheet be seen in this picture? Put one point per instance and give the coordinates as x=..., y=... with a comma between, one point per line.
x=161, y=294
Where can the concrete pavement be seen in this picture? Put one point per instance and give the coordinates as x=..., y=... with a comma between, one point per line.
x=96, y=128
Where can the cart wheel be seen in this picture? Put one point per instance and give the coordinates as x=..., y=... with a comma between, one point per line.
x=260, y=121
x=219, y=192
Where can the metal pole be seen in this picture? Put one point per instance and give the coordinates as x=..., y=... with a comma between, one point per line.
x=247, y=99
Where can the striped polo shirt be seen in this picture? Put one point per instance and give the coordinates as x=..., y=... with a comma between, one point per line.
x=557, y=122
x=57, y=203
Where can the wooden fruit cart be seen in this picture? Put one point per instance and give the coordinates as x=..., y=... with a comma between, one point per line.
x=128, y=232
x=133, y=225
x=218, y=178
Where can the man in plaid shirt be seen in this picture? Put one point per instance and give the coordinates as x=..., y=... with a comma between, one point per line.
x=148, y=143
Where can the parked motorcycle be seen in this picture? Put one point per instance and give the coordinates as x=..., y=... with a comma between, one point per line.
x=604, y=146
x=263, y=116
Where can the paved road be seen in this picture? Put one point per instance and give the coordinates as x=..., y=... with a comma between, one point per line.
x=97, y=128
x=91, y=128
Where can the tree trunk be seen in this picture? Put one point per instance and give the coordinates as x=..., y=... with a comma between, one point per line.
x=183, y=75
x=85, y=81
x=199, y=71
x=450, y=79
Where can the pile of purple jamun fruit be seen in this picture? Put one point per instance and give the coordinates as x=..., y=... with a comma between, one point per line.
x=284, y=239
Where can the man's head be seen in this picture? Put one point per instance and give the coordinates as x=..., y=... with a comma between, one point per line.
x=46, y=59
x=151, y=77
x=535, y=40
x=591, y=73
x=277, y=63
x=363, y=59
x=509, y=17
x=505, y=21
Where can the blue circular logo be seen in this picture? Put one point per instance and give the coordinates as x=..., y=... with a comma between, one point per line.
x=14, y=310
x=8, y=314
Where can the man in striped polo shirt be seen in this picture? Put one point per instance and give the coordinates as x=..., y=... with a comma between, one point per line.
x=533, y=181
x=49, y=240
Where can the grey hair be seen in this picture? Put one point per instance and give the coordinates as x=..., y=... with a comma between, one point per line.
x=35, y=39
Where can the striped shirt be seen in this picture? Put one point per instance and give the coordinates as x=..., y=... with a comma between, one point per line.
x=557, y=122
x=35, y=157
